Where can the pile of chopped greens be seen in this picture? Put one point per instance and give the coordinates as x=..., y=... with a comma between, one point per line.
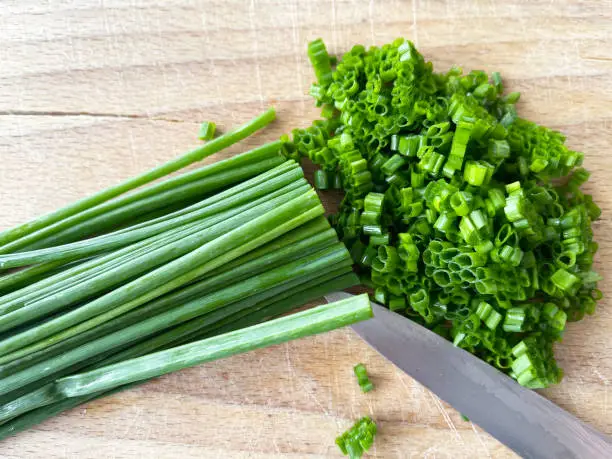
x=459, y=214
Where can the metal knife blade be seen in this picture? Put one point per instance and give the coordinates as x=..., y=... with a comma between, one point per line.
x=523, y=420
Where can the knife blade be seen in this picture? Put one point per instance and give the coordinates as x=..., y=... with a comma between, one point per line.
x=522, y=419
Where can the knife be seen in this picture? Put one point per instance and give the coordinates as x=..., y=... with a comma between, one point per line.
x=523, y=420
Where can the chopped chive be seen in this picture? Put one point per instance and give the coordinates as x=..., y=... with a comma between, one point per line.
x=207, y=130
x=358, y=439
x=362, y=378
x=457, y=164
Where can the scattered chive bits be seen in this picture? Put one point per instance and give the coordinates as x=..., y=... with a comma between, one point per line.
x=362, y=378
x=458, y=213
x=358, y=439
x=207, y=130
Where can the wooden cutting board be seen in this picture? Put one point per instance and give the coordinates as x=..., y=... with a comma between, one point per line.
x=94, y=91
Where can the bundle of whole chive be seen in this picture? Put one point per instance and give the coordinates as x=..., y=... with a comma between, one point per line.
x=453, y=208
x=213, y=252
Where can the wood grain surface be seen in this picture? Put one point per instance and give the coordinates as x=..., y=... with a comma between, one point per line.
x=94, y=91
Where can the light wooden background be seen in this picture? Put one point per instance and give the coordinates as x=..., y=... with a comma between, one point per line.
x=93, y=91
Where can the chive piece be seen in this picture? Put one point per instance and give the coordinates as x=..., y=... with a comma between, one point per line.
x=207, y=130
x=409, y=145
x=392, y=164
x=565, y=280
x=358, y=439
x=320, y=61
x=321, y=180
x=362, y=378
